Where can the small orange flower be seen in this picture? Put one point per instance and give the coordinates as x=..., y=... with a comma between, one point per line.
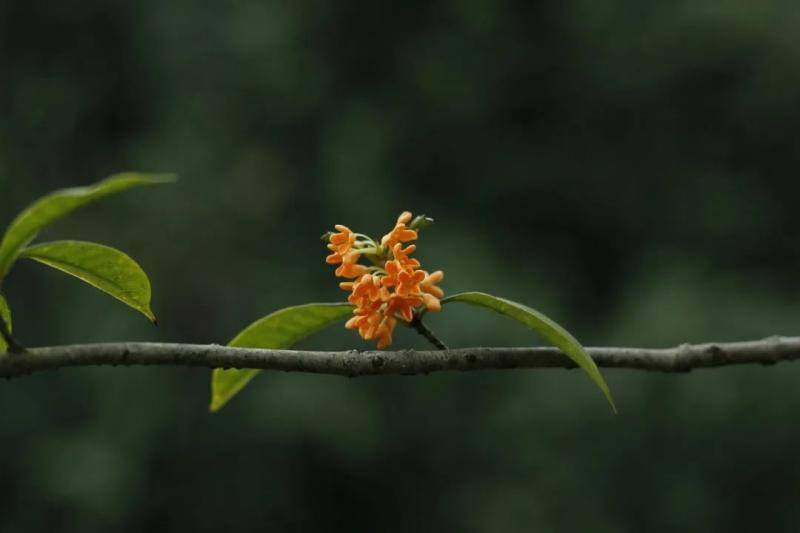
x=349, y=268
x=401, y=254
x=367, y=289
x=405, y=217
x=403, y=305
x=366, y=324
x=431, y=293
x=429, y=283
x=399, y=233
x=392, y=269
x=408, y=282
x=340, y=244
x=385, y=331
x=391, y=290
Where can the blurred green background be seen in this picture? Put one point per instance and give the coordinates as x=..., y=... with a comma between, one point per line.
x=628, y=167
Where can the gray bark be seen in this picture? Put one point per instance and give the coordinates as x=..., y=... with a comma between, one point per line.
x=403, y=362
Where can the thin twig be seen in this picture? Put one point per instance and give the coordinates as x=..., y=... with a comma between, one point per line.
x=426, y=332
x=354, y=363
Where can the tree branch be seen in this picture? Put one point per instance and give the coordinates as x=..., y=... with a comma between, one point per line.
x=406, y=362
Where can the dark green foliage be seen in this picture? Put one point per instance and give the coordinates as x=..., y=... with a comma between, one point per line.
x=629, y=166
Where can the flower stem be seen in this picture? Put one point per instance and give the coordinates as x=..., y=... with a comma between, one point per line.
x=370, y=250
x=423, y=330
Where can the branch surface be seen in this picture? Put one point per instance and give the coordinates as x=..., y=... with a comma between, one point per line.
x=403, y=362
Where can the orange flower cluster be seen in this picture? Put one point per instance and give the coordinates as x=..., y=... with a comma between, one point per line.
x=390, y=290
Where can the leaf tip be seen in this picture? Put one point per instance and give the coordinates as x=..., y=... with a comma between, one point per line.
x=165, y=178
x=603, y=386
x=217, y=402
x=613, y=405
x=155, y=178
x=150, y=316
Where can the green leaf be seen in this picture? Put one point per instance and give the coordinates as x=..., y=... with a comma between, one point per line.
x=5, y=313
x=105, y=268
x=279, y=330
x=535, y=320
x=59, y=204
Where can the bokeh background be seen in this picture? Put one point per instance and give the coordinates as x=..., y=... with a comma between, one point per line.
x=629, y=167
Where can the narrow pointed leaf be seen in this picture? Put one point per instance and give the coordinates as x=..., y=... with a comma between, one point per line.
x=59, y=204
x=279, y=330
x=5, y=312
x=105, y=268
x=546, y=327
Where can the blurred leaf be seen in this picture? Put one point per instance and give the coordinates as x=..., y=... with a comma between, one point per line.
x=5, y=312
x=59, y=204
x=105, y=268
x=535, y=320
x=278, y=330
